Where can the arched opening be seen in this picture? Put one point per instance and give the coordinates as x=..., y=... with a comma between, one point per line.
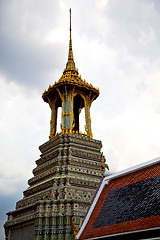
x=82, y=121
x=59, y=115
x=78, y=104
x=58, y=106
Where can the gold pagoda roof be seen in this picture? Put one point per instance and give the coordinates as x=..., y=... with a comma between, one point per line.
x=70, y=76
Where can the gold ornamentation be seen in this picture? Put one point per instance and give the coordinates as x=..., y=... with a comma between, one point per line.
x=61, y=95
x=102, y=164
x=68, y=86
x=66, y=113
x=66, y=92
x=50, y=103
x=86, y=129
x=75, y=229
x=63, y=131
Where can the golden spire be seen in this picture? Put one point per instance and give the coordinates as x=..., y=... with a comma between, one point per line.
x=70, y=63
x=70, y=25
x=70, y=54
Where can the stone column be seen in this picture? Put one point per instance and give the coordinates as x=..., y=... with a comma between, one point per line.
x=46, y=228
x=53, y=227
x=53, y=122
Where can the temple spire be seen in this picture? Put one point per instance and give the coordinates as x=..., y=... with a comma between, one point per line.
x=70, y=54
x=70, y=63
x=70, y=25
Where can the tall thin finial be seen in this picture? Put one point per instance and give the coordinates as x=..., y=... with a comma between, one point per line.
x=70, y=55
x=70, y=24
x=70, y=63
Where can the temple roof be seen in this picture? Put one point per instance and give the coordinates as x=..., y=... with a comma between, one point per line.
x=71, y=76
x=126, y=203
x=73, y=79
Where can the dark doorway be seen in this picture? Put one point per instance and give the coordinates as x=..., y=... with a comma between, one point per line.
x=78, y=104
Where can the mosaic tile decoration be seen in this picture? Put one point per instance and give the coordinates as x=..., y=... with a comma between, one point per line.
x=128, y=203
x=63, y=185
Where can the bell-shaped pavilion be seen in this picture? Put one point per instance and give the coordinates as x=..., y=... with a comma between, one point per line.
x=72, y=94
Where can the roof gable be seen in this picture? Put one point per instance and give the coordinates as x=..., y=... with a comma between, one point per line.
x=127, y=202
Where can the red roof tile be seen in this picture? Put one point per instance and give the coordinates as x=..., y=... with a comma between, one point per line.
x=129, y=202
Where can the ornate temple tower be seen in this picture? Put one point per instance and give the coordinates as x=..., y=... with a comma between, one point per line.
x=72, y=94
x=69, y=169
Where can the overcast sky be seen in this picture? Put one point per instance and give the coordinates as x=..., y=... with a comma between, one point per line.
x=116, y=46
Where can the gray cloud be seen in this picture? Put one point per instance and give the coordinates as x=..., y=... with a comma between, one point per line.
x=25, y=57
x=28, y=65
x=7, y=203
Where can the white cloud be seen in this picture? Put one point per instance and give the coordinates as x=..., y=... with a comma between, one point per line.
x=101, y=3
x=147, y=37
x=21, y=128
x=129, y=138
